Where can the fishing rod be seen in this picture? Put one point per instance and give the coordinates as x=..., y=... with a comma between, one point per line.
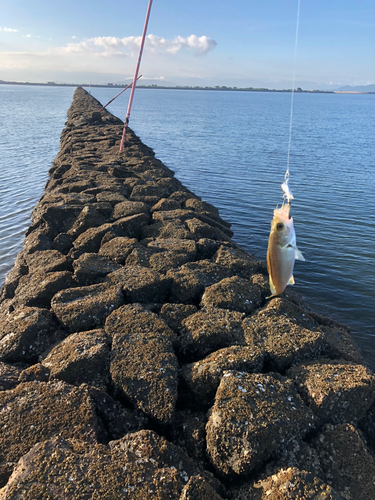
x=116, y=96
x=135, y=76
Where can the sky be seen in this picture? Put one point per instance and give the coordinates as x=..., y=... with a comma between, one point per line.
x=236, y=43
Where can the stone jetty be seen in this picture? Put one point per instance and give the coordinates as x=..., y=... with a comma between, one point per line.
x=141, y=359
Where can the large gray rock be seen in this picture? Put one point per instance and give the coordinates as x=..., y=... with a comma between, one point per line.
x=8, y=376
x=90, y=267
x=140, y=284
x=185, y=286
x=346, y=461
x=84, y=308
x=36, y=411
x=235, y=293
x=81, y=357
x=26, y=333
x=143, y=363
x=336, y=391
x=48, y=261
x=289, y=335
x=253, y=416
x=141, y=465
x=202, y=378
x=37, y=289
x=289, y=484
x=117, y=249
x=209, y=330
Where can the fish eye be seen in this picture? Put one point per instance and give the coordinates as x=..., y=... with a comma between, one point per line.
x=279, y=226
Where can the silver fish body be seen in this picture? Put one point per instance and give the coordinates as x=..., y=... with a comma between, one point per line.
x=282, y=250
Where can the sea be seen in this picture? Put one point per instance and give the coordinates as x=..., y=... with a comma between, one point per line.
x=231, y=148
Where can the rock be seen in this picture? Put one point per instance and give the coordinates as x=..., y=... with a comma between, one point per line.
x=198, y=488
x=12, y=279
x=174, y=314
x=90, y=267
x=81, y=357
x=176, y=245
x=118, y=249
x=367, y=425
x=140, y=465
x=289, y=484
x=207, y=272
x=172, y=253
x=185, y=286
x=38, y=373
x=89, y=241
x=203, y=230
x=347, y=463
x=298, y=453
x=282, y=339
x=166, y=204
x=36, y=411
x=143, y=363
x=209, y=330
x=202, y=378
x=336, y=391
x=8, y=376
x=147, y=190
x=235, y=293
x=26, y=333
x=140, y=284
x=240, y=263
x=327, y=338
x=207, y=248
x=163, y=261
x=189, y=433
x=48, y=261
x=127, y=208
x=63, y=243
x=111, y=197
x=39, y=239
x=253, y=415
x=58, y=216
x=84, y=308
x=88, y=218
x=168, y=229
x=202, y=206
x=140, y=256
x=116, y=419
x=37, y=290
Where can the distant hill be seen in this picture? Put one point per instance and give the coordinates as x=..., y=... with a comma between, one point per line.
x=359, y=88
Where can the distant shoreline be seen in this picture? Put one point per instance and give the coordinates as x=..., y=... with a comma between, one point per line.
x=181, y=87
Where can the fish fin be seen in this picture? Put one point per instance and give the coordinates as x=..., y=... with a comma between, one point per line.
x=291, y=281
x=272, y=288
x=298, y=254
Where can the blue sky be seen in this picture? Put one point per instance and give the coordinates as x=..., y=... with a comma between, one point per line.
x=196, y=42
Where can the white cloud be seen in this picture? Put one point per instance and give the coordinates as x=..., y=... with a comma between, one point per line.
x=110, y=56
x=110, y=45
x=9, y=30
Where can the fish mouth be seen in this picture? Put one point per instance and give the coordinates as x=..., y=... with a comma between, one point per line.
x=285, y=212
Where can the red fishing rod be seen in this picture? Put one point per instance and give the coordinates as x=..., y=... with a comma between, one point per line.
x=116, y=96
x=135, y=76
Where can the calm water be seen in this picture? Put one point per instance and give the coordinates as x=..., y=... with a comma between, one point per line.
x=230, y=148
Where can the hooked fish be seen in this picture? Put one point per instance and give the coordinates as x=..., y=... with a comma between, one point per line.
x=282, y=250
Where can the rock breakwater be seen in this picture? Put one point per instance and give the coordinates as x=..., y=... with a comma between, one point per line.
x=140, y=358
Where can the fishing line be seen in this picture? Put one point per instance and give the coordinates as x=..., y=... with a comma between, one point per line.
x=287, y=193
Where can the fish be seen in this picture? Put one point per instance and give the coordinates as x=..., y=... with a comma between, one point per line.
x=282, y=250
